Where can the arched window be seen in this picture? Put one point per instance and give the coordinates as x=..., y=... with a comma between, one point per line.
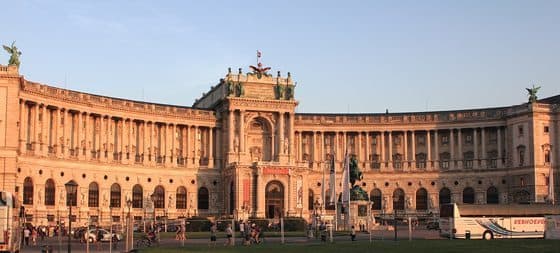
x=468, y=195
x=28, y=191
x=115, y=195
x=376, y=199
x=181, y=198
x=328, y=204
x=203, y=198
x=93, y=195
x=421, y=199
x=72, y=197
x=398, y=199
x=444, y=196
x=492, y=195
x=310, y=200
x=50, y=192
x=159, y=195
x=137, y=196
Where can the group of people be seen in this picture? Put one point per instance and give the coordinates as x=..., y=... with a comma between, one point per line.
x=251, y=233
x=31, y=233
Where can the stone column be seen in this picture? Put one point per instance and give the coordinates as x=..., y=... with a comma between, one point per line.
x=230, y=132
x=405, y=153
x=483, y=146
x=460, y=147
x=358, y=146
x=196, y=147
x=132, y=141
x=281, y=133
x=413, y=148
x=66, y=133
x=436, y=148
x=390, y=149
x=45, y=131
x=56, y=132
x=475, y=141
x=260, y=193
x=36, y=128
x=300, y=146
x=292, y=134
x=452, y=148
x=23, y=127
x=382, y=159
x=242, y=132
x=429, y=159
x=315, y=146
x=335, y=148
x=102, y=133
x=499, y=158
x=367, y=151
x=322, y=149
x=210, y=147
x=89, y=142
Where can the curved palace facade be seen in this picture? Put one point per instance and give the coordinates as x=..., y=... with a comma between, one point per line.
x=241, y=150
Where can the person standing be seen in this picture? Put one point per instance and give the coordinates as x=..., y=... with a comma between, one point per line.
x=26, y=234
x=34, y=236
x=242, y=229
x=353, y=233
x=229, y=234
x=213, y=230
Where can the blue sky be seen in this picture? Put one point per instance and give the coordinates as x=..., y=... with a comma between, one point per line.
x=347, y=56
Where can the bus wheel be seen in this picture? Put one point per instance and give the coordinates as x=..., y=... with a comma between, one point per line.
x=487, y=235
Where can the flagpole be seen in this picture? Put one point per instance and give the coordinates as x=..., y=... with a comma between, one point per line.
x=323, y=193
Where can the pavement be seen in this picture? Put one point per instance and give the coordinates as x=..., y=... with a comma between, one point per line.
x=77, y=247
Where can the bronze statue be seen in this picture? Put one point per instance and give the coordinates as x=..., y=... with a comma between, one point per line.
x=356, y=193
x=14, y=58
x=279, y=91
x=533, y=93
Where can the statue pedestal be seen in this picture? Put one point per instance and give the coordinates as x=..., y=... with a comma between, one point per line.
x=360, y=215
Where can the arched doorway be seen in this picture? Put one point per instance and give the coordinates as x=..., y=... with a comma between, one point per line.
x=444, y=196
x=521, y=197
x=468, y=195
x=259, y=140
x=421, y=199
x=398, y=199
x=375, y=197
x=492, y=195
x=274, y=199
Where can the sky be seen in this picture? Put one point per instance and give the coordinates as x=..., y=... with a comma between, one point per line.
x=346, y=56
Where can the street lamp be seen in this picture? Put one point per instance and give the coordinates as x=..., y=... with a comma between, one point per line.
x=71, y=188
x=153, y=198
x=395, y=200
x=128, y=226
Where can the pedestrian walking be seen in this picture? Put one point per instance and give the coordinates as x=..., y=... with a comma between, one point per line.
x=229, y=235
x=26, y=235
x=213, y=230
x=34, y=236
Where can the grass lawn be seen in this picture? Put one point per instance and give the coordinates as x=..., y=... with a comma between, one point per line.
x=432, y=246
x=206, y=235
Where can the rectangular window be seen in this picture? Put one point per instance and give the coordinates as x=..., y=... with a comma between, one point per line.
x=468, y=139
x=520, y=130
x=50, y=217
x=546, y=130
x=493, y=163
x=444, y=139
x=421, y=140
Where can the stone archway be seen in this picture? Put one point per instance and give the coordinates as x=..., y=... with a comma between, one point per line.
x=274, y=199
x=259, y=140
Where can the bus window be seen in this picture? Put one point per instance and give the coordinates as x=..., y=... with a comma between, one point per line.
x=446, y=211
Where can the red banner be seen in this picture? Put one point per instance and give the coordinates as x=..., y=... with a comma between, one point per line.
x=276, y=171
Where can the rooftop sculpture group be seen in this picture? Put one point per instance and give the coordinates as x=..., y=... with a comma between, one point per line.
x=14, y=54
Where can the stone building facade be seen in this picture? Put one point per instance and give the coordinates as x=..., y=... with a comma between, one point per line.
x=241, y=150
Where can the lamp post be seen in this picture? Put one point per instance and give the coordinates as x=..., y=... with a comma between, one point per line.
x=395, y=200
x=128, y=226
x=153, y=199
x=71, y=187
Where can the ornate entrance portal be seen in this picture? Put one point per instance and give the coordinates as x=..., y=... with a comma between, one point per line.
x=274, y=199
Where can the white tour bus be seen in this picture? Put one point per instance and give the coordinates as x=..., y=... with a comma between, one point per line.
x=495, y=221
x=10, y=223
